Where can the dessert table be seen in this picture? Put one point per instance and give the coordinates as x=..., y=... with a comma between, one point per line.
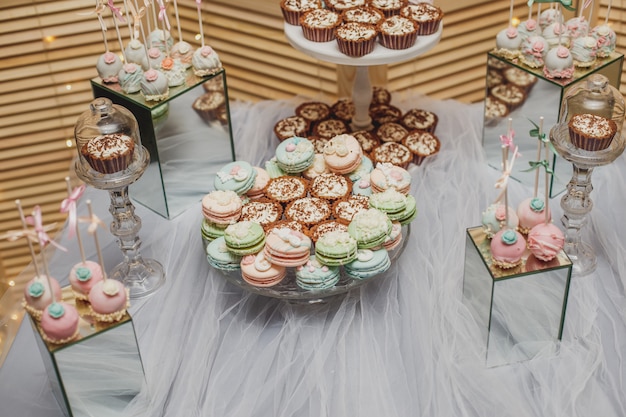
x=401, y=345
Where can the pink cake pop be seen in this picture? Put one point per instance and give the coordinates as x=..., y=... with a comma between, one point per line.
x=108, y=298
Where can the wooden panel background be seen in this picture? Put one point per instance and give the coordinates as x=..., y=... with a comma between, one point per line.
x=49, y=50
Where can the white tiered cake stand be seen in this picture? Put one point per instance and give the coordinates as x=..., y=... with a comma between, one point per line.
x=362, y=89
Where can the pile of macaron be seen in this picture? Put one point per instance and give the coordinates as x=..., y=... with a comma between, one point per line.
x=323, y=215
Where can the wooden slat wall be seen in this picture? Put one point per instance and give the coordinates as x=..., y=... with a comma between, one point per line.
x=49, y=49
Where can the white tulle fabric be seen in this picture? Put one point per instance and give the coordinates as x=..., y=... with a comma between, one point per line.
x=402, y=345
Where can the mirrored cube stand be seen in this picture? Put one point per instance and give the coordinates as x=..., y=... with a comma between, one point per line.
x=187, y=146
x=520, y=311
x=543, y=98
x=99, y=373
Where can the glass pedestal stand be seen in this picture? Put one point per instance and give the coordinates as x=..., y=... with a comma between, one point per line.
x=576, y=203
x=141, y=276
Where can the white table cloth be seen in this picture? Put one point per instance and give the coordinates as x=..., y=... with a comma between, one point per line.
x=401, y=345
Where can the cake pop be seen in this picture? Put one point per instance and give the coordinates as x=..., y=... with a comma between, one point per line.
x=181, y=50
x=205, y=60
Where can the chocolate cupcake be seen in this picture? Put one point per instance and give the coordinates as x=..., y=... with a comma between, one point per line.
x=394, y=153
x=591, y=132
x=291, y=126
x=426, y=15
x=418, y=119
x=293, y=9
x=318, y=25
x=397, y=32
x=356, y=39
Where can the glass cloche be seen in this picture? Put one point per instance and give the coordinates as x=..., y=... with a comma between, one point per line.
x=108, y=145
x=597, y=109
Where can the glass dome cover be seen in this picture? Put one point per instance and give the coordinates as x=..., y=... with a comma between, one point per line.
x=108, y=145
x=599, y=100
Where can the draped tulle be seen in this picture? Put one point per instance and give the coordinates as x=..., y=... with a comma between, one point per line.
x=402, y=345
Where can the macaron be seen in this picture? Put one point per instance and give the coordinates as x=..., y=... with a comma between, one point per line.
x=395, y=237
x=318, y=167
x=244, y=238
x=237, y=176
x=368, y=263
x=287, y=247
x=386, y=175
x=370, y=228
x=219, y=257
x=260, y=181
x=258, y=271
x=315, y=276
x=363, y=170
x=211, y=231
x=222, y=207
x=294, y=155
x=335, y=248
x=390, y=201
x=343, y=154
x=272, y=168
x=408, y=214
x=362, y=186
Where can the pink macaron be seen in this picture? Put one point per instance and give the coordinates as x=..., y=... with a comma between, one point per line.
x=287, y=247
x=258, y=271
x=343, y=154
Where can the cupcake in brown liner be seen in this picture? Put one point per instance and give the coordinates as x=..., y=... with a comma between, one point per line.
x=330, y=186
x=380, y=95
x=520, y=78
x=343, y=109
x=313, y=111
x=388, y=7
x=397, y=32
x=426, y=15
x=294, y=9
x=418, y=119
x=326, y=226
x=109, y=154
x=394, y=153
x=391, y=132
x=340, y=6
x=363, y=14
x=319, y=25
x=367, y=140
x=383, y=113
x=345, y=209
x=356, y=39
x=308, y=211
x=494, y=109
x=422, y=145
x=291, y=126
x=286, y=189
x=591, y=132
x=328, y=129
x=262, y=211
x=209, y=104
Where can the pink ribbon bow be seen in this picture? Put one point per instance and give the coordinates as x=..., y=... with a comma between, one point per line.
x=506, y=173
x=508, y=141
x=163, y=14
x=116, y=11
x=40, y=230
x=69, y=206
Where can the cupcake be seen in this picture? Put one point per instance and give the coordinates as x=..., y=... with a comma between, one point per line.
x=328, y=129
x=380, y=95
x=313, y=111
x=343, y=5
x=293, y=9
x=345, y=209
x=356, y=39
x=384, y=113
x=318, y=25
x=520, y=78
x=330, y=186
x=427, y=16
x=110, y=153
x=367, y=140
x=291, y=126
x=308, y=211
x=343, y=109
x=286, y=189
x=389, y=7
x=394, y=153
x=397, y=32
x=391, y=132
x=511, y=95
x=422, y=145
x=418, y=119
x=494, y=109
x=362, y=14
x=324, y=227
x=591, y=132
x=263, y=211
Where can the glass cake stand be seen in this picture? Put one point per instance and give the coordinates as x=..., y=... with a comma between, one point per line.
x=288, y=290
x=362, y=88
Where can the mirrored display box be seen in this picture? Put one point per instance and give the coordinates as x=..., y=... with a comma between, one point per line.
x=540, y=97
x=97, y=374
x=520, y=311
x=188, y=136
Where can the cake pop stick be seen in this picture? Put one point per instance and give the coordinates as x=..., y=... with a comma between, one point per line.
x=94, y=223
x=18, y=203
x=69, y=206
x=100, y=8
x=608, y=12
x=115, y=11
x=547, y=182
x=165, y=23
x=198, y=7
x=154, y=14
x=180, y=32
x=539, y=146
x=511, y=13
x=128, y=20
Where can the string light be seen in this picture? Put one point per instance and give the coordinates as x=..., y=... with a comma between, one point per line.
x=49, y=38
x=69, y=143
